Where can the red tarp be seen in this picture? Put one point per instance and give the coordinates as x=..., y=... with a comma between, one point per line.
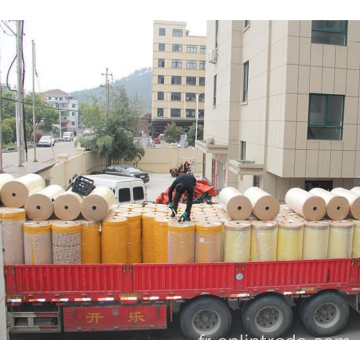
x=202, y=186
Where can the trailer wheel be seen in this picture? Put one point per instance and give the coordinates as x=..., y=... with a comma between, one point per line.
x=268, y=317
x=325, y=314
x=205, y=318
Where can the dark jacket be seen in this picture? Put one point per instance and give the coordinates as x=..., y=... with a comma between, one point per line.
x=189, y=183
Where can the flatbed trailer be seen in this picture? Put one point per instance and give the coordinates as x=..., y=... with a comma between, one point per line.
x=114, y=297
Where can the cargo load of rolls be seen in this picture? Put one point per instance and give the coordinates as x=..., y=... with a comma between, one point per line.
x=309, y=226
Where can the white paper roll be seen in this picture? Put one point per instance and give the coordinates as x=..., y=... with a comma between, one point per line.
x=97, y=205
x=309, y=206
x=236, y=204
x=353, y=198
x=15, y=192
x=40, y=206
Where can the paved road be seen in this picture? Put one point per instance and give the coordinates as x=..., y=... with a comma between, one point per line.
x=42, y=154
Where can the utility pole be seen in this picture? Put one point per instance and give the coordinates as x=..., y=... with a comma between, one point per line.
x=33, y=96
x=20, y=92
x=1, y=141
x=107, y=91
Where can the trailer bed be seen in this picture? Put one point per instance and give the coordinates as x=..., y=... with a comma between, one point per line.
x=144, y=282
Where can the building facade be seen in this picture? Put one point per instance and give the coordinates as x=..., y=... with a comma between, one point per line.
x=69, y=113
x=178, y=85
x=282, y=104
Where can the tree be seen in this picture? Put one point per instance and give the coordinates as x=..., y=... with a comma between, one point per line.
x=172, y=133
x=114, y=130
x=191, y=134
x=44, y=111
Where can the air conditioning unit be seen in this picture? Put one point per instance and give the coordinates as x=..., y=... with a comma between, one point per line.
x=210, y=141
x=213, y=56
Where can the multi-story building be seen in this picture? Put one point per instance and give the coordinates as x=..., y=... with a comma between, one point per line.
x=178, y=85
x=282, y=104
x=69, y=106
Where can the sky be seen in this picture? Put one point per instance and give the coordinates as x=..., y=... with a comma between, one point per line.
x=72, y=55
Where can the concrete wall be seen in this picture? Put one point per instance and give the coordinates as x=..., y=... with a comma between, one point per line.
x=161, y=160
x=155, y=160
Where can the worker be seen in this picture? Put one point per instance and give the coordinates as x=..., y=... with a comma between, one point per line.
x=184, y=182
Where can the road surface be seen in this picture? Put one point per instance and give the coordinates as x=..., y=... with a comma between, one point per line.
x=43, y=154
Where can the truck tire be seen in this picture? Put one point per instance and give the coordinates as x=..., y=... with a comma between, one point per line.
x=325, y=314
x=205, y=318
x=269, y=317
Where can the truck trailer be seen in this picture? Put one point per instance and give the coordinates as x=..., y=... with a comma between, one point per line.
x=116, y=297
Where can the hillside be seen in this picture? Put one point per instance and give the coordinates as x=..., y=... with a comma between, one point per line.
x=139, y=81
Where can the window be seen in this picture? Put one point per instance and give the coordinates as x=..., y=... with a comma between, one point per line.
x=326, y=114
x=201, y=81
x=176, y=64
x=175, y=96
x=216, y=33
x=190, y=80
x=214, y=98
x=245, y=81
x=161, y=47
x=73, y=113
x=176, y=80
x=124, y=195
x=190, y=97
x=175, y=112
x=331, y=32
x=160, y=112
x=323, y=184
x=201, y=97
x=160, y=96
x=202, y=65
x=202, y=49
x=161, y=63
x=161, y=79
x=138, y=193
x=242, y=150
x=191, y=48
x=162, y=32
x=201, y=114
x=73, y=105
x=246, y=23
x=191, y=64
x=177, y=48
x=177, y=33
x=190, y=113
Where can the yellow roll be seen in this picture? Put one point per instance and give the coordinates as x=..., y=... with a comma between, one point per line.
x=181, y=242
x=316, y=240
x=66, y=242
x=264, y=240
x=356, y=241
x=147, y=241
x=90, y=242
x=290, y=240
x=134, y=238
x=208, y=242
x=237, y=241
x=114, y=240
x=12, y=221
x=161, y=239
x=341, y=239
x=37, y=243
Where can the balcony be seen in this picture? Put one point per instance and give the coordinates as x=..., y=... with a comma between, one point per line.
x=211, y=148
x=243, y=167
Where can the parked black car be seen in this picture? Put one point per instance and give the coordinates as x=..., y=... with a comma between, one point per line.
x=124, y=170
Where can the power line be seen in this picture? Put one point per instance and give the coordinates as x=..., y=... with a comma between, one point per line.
x=42, y=106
